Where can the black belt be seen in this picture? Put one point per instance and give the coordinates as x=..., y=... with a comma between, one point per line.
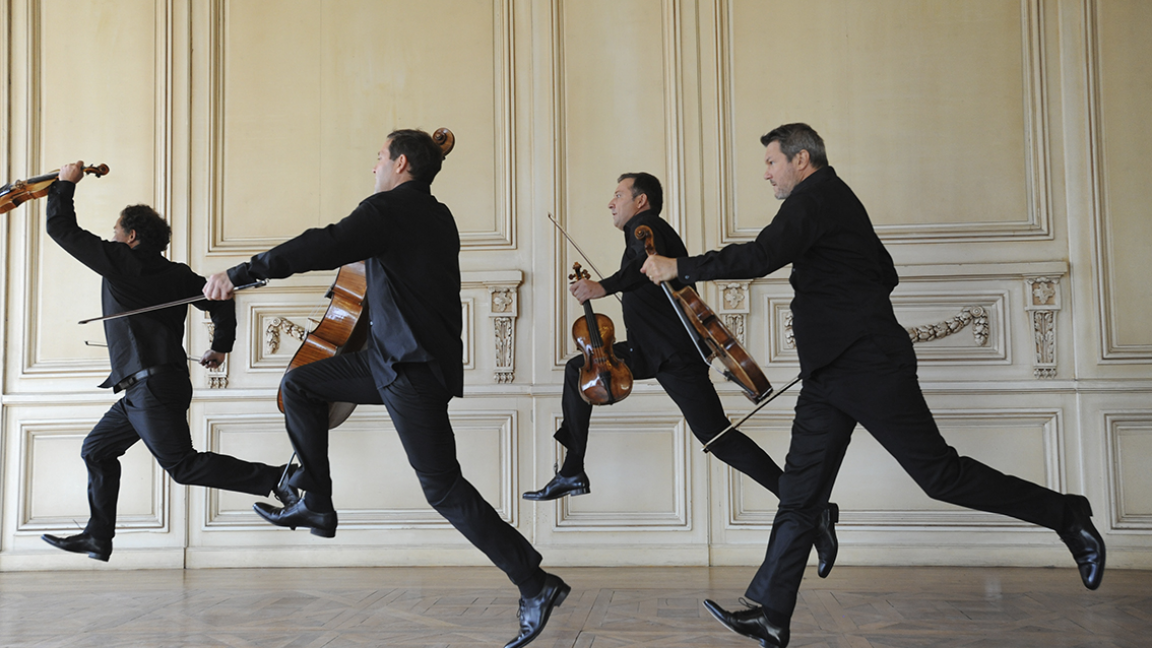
x=141, y=375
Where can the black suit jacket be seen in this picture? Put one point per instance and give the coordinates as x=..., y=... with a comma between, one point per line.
x=135, y=278
x=841, y=273
x=411, y=247
x=655, y=331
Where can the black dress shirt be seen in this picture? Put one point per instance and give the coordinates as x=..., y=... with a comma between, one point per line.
x=135, y=278
x=841, y=273
x=655, y=331
x=411, y=247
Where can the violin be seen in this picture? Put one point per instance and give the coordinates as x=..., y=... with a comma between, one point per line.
x=343, y=328
x=14, y=194
x=739, y=366
x=604, y=378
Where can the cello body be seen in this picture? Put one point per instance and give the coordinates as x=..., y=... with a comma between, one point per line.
x=343, y=330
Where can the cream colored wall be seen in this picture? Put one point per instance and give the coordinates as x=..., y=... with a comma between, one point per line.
x=998, y=145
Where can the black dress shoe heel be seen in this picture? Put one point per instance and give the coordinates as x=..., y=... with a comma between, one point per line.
x=1085, y=542
x=559, y=486
x=827, y=546
x=298, y=515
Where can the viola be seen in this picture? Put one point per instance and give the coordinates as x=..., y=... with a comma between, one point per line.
x=604, y=378
x=343, y=328
x=16, y=193
x=739, y=366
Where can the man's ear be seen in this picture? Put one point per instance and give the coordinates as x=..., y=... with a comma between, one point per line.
x=400, y=164
x=802, y=159
x=132, y=240
x=642, y=203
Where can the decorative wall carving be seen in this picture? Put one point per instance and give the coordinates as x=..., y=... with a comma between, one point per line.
x=1042, y=301
x=734, y=307
x=217, y=376
x=974, y=315
x=503, y=309
x=277, y=326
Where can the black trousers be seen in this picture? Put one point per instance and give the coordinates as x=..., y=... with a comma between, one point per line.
x=418, y=405
x=874, y=384
x=686, y=381
x=155, y=410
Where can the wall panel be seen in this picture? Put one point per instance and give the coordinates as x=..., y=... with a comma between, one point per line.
x=1123, y=225
x=93, y=95
x=896, y=89
x=304, y=93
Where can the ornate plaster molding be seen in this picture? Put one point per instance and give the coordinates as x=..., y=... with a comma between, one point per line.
x=277, y=326
x=975, y=316
x=503, y=310
x=217, y=376
x=734, y=307
x=1042, y=302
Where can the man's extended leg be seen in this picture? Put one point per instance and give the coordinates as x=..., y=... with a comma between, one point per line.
x=157, y=408
x=307, y=391
x=102, y=449
x=688, y=383
x=418, y=405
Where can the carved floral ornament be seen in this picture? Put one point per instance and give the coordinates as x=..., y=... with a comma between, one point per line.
x=974, y=316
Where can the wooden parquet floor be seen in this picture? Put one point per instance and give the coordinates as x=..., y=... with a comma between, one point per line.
x=856, y=607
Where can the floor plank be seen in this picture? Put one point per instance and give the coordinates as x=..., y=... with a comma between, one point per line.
x=856, y=607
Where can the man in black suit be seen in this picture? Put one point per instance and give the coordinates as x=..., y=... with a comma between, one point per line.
x=659, y=346
x=412, y=363
x=148, y=364
x=858, y=366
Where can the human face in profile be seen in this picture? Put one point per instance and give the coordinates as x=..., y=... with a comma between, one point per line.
x=784, y=174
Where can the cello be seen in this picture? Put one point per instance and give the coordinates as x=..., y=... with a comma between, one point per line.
x=739, y=366
x=343, y=328
x=604, y=379
x=16, y=193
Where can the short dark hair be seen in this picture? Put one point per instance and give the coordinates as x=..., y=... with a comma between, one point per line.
x=151, y=229
x=425, y=156
x=794, y=138
x=647, y=184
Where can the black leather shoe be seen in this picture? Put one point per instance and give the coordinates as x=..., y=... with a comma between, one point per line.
x=97, y=548
x=322, y=524
x=534, y=612
x=1084, y=540
x=751, y=623
x=285, y=492
x=826, y=544
x=561, y=486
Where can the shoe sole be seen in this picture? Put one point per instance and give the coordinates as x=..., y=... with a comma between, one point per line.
x=573, y=492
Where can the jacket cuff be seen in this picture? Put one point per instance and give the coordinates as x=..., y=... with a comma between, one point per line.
x=240, y=276
x=610, y=285
x=688, y=269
